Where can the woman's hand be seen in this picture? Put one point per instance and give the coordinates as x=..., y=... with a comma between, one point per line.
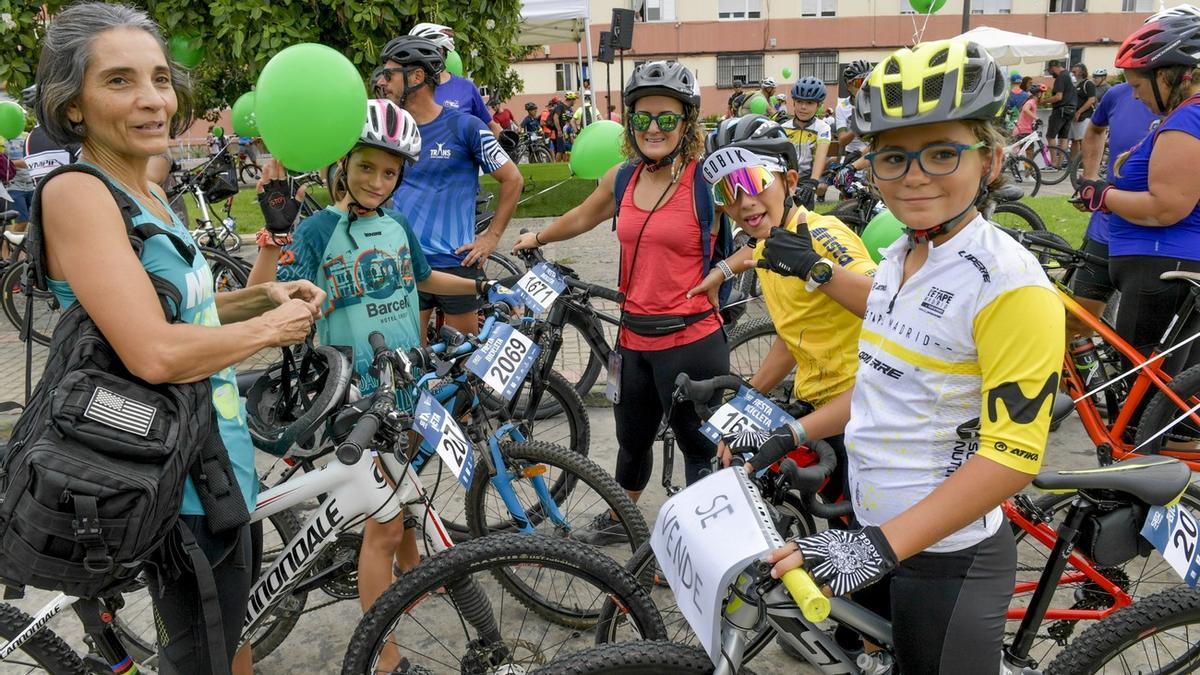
x=526, y=241
x=711, y=284
x=289, y=323
x=272, y=170
x=279, y=292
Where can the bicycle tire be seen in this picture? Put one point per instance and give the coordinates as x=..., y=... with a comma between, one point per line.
x=573, y=470
x=1162, y=411
x=46, y=308
x=643, y=566
x=498, y=266
x=1077, y=168
x=1021, y=171
x=229, y=273
x=456, y=567
x=47, y=651
x=1148, y=618
x=1022, y=217
x=748, y=346
x=648, y=657
x=1059, y=168
x=138, y=632
x=542, y=155
x=573, y=345
x=1140, y=577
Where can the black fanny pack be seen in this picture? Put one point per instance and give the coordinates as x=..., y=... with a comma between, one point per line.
x=660, y=324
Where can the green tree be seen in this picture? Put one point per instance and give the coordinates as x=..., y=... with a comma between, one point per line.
x=240, y=36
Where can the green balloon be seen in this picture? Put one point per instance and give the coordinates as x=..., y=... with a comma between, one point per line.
x=597, y=149
x=758, y=105
x=244, y=121
x=187, y=50
x=880, y=233
x=310, y=105
x=787, y=73
x=12, y=120
x=926, y=6
x=218, y=131
x=454, y=63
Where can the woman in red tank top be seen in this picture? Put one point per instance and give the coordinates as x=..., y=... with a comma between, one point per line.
x=661, y=259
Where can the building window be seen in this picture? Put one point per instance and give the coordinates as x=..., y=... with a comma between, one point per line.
x=1075, y=57
x=739, y=9
x=563, y=76
x=1068, y=5
x=823, y=65
x=818, y=7
x=1137, y=5
x=747, y=68
x=991, y=6
x=659, y=10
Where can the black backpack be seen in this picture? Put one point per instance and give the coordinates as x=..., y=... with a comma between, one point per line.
x=92, y=480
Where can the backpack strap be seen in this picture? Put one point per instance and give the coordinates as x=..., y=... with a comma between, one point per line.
x=703, y=203
x=620, y=185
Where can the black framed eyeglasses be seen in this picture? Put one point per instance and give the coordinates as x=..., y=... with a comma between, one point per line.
x=937, y=159
x=666, y=121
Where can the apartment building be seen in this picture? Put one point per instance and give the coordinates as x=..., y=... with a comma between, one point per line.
x=726, y=39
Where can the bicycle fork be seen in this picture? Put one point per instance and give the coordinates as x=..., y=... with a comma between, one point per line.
x=502, y=480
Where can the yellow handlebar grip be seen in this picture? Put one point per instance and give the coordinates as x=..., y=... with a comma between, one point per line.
x=813, y=604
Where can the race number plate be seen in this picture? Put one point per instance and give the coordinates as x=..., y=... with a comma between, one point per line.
x=748, y=410
x=1174, y=532
x=540, y=287
x=439, y=430
x=504, y=360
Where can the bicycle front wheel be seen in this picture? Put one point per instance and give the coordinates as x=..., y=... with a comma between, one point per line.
x=1058, y=165
x=44, y=653
x=228, y=273
x=1024, y=174
x=1017, y=216
x=450, y=615
x=748, y=347
x=636, y=658
x=46, y=309
x=1158, y=634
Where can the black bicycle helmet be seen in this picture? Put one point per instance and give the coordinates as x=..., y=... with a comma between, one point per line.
x=757, y=134
x=290, y=401
x=856, y=69
x=665, y=78
x=410, y=50
x=530, y=106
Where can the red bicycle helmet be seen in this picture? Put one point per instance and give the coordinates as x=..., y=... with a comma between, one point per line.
x=1171, y=41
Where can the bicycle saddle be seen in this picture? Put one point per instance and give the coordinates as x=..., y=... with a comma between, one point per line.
x=1008, y=193
x=1193, y=277
x=8, y=216
x=14, y=238
x=1157, y=480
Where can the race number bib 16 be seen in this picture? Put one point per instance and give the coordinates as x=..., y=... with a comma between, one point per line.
x=540, y=287
x=747, y=411
x=504, y=360
x=439, y=429
x=1174, y=532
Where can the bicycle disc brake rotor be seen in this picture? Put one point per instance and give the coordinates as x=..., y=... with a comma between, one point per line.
x=343, y=552
x=511, y=657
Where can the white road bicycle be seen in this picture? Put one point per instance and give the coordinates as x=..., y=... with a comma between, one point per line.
x=1054, y=164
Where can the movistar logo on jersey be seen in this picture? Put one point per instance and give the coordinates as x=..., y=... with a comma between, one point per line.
x=1020, y=408
x=439, y=152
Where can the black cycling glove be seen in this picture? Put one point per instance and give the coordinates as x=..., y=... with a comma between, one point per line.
x=789, y=253
x=763, y=448
x=806, y=193
x=279, y=206
x=1092, y=193
x=847, y=560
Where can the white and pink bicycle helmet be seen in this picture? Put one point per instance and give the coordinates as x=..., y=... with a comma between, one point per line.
x=391, y=129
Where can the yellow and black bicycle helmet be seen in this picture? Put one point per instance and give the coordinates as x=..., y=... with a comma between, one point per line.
x=940, y=81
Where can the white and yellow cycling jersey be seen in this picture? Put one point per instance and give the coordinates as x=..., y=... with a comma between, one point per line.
x=806, y=137
x=842, y=114
x=976, y=332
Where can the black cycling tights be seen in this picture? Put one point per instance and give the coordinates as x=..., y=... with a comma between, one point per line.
x=1148, y=304
x=948, y=609
x=647, y=384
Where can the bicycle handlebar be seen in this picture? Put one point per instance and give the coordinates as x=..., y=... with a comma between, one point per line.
x=813, y=604
x=702, y=391
x=360, y=437
x=1051, y=241
x=598, y=291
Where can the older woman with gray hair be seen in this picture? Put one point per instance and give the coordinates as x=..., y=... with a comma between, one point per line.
x=105, y=80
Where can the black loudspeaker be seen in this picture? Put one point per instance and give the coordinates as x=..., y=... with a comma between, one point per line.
x=622, y=28
x=606, y=49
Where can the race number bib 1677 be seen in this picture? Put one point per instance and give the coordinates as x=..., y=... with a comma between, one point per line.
x=439, y=429
x=504, y=360
x=747, y=411
x=1174, y=532
x=540, y=287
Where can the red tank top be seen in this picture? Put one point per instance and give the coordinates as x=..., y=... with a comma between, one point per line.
x=668, y=264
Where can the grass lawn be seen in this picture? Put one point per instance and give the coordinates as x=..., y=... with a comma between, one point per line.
x=562, y=193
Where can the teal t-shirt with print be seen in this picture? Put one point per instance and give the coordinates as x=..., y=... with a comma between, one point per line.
x=369, y=269
x=195, y=285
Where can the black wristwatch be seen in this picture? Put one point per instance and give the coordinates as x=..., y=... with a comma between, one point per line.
x=821, y=273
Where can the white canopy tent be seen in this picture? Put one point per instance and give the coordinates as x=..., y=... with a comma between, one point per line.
x=545, y=22
x=1011, y=49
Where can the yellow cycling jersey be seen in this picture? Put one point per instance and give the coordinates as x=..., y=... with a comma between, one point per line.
x=820, y=334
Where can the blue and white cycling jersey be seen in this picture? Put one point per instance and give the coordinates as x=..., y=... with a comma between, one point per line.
x=438, y=192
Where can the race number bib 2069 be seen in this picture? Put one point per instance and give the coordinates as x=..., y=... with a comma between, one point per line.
x=1175, y=533
x=540, y=287
x=504, y=360
x=747, y=411
x=439, y=430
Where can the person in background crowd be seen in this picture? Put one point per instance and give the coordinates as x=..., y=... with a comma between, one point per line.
x=1016, y=98
x=502, y=116
x=1085, y=94
x=811, y=136
x=21, y=187
x=1027, y=116
x=560, y=117
x=587, y=88
x=1064, y=102
x=215, y=143
x=613, y=114
x=1100, y=79
x=736, y=98
x=453, y=91
x=586, y=114
x=764, y=94
x=530, y=123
